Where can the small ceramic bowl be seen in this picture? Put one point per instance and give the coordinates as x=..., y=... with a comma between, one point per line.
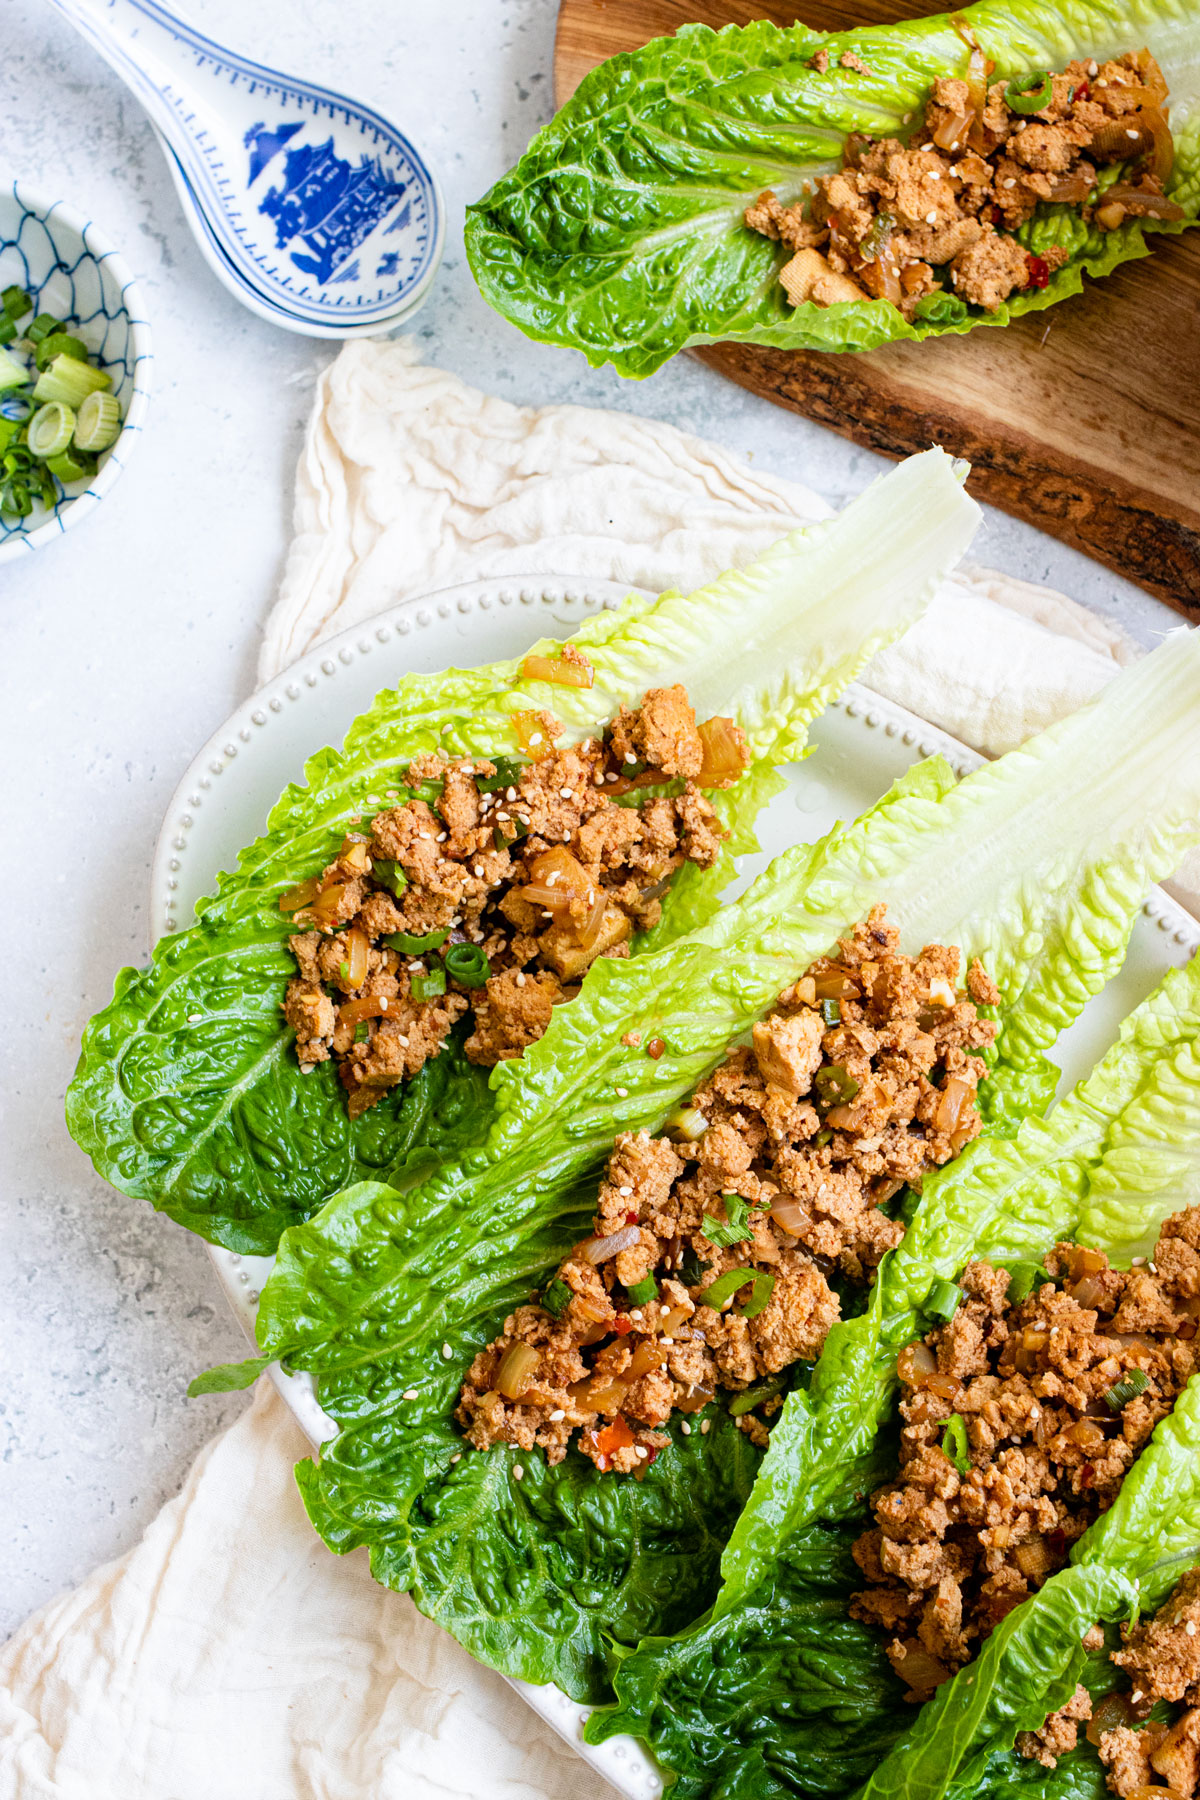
x=72, y=270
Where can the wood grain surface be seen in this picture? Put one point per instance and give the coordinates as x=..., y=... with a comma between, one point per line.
x=1081, y=419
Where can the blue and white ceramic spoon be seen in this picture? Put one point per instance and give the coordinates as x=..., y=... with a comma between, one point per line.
x=317, y=213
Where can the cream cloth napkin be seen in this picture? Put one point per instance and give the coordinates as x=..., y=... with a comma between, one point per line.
x=229, y=1656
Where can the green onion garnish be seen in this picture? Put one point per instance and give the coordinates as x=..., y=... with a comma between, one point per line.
x=831, y=1012
x=12, y=373
x=428, y=987
x=686, y=1124
x=941, y=1302
x=1127, y=1389
x=60, y=343
x=955, y=1443
x=724, y=1288
x=43, y=326
x=751, y=1397
x=50, y=430
x=691, y=1270
x=344, y=971
x=734, y=1228
x=760, y=1296
x=389, y=874
x=467, y=964
x=415, y=946
x=508, y=773
x=361, y=1032
x=835, y=1085
x=71, y=381
x=642, y=1292
x=72, y=465
x=1029, y=93
x=556, y=1297
x=98, y=424
x=1023, y=1277
x=16, y=302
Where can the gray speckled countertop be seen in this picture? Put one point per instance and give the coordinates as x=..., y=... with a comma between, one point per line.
x=128, y=642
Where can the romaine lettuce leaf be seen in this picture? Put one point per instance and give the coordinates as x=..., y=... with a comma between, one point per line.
x=371, y=1292
x=620, y=231
x=188, y=1092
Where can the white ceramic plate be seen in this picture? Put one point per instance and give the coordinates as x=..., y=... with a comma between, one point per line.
x=861, y=745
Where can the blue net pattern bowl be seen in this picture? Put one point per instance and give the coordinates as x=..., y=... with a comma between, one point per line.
x=72, y=270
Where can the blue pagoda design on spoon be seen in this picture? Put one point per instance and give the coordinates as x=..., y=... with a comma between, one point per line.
x=324, y=202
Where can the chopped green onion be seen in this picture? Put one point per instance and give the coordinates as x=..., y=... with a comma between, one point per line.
x=942, y=1300
x=9, y=429
x=69, y=380
x=508, y=772
x=71, y=465
x=734, y=1228
x=724, y=1288
x=362, y=1032
x=1127, y=1389
x=43, y=326
x=99, y=422
x=414, y=946
x=388, y=873
x=428, y=987
x=831, y=1012
x=686, y=1125
x=467, y=964
x=60, y=343
x=1029, y=93
x=344, y=970
x=509, y=832
x=835, y=1085
x=751, y=1397
x=428, y=791
x=16, y=302
x=1023, y=1277
x=51, y=429
x=556, y=1297
x=691, y=1270
x=760, y=1297
x=955, y=1443
x=12, y=373
x=823, y=1137
x=8, y=330
x=642, y=1292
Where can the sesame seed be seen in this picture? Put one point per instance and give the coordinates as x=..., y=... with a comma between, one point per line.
x=518, y=1472
x=564, y=793
x=625, y=1192
x=416, y=968
x=447, y=1352
x=1102, y=82
x=1011, y=181
x=1137, y=1695
x=642, y=1452
x=1093, y=67
x=520, y=978
x=667, y=1340
x=636, y=1315
x=427, y=835
x=928, y=146
x=1190, y=1628
x=477, y=871
x=195, y=1018
x=685, y=1428
x=556, y=1415
x=622, y=1093
x=629, y=756
x=457, y=1457
x=440, y=838
x=410, y=1394
x=610, y=776
x=383, y=1005
x=704, y=1425
x=1035, y=1413
x=1153, y=1268
x=1130, y=133
x=907, y=117
x=307, y=1068
x=931, y=218
x=510, y=793
x=402, y=1039
x=935, y=174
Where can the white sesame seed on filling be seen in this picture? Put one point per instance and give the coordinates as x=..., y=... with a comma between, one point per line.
x=447, y=1352
x=457, y=1457
x=520, y=978
x=704, y=1425
x=685, y=1428
x=556, y=1415
x=931, y=218
x=565, y=793
x=625, y=1192
x=410, y=1394
x=518, y=1472
x=622, y=1093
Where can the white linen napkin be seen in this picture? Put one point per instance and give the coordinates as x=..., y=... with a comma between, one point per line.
x=229, y=1656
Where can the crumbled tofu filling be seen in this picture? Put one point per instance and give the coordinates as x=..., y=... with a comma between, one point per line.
x=903, y=221
x=858, y=1082
x=491, y=889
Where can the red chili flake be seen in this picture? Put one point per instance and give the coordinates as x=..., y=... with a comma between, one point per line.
x=997, y=216
x=622, y=1324
x=1056, y=1541
x=1082, y=92
x=655, y=1048
x=1039, y=271
x=631, y=1218
x=1087, y=1475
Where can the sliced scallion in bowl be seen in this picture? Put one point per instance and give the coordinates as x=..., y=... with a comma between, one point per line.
x=56, y=413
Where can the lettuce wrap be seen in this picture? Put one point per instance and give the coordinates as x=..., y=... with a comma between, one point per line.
x=713, y=1702
x=188, y=1091
x=620, y=232
x=1038, y=864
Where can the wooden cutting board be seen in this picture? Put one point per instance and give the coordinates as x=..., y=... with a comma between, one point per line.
x=1084, y=420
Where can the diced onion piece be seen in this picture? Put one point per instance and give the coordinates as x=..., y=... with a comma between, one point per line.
x=790, y=1216
x=1073, y=189
x=355, y=855
x=649, y=1355
x=922, y=1671
x=687, y=1125
x=1034, y=1559
x=589, y=1307
x=598, y=1250
x=558, y=670
x=516, y=1369
x=841, y=1118
x=1141, y=201
x=834, y=984
x=557, y=879
x=725, y=753
x=952, y=132
x=325, y=907
x=298, y=897
x=357, y=951
x=693, y=1402
x=531, y=734
x=605, y=1394
x=1108, y=1715
x=589, y=932
x=954, y=1095
x=370, y=1006
x=671, y=1321
x=881, y=277
x=915, y=1364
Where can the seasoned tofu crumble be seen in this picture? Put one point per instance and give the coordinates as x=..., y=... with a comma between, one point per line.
x=904, y=221
x=715, y=1247
x=1021, y=1419
x=492, y=887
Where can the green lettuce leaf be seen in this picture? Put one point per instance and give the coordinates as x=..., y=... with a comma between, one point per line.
x=620, y=232
x=371, y=1294
x=188, y=1092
